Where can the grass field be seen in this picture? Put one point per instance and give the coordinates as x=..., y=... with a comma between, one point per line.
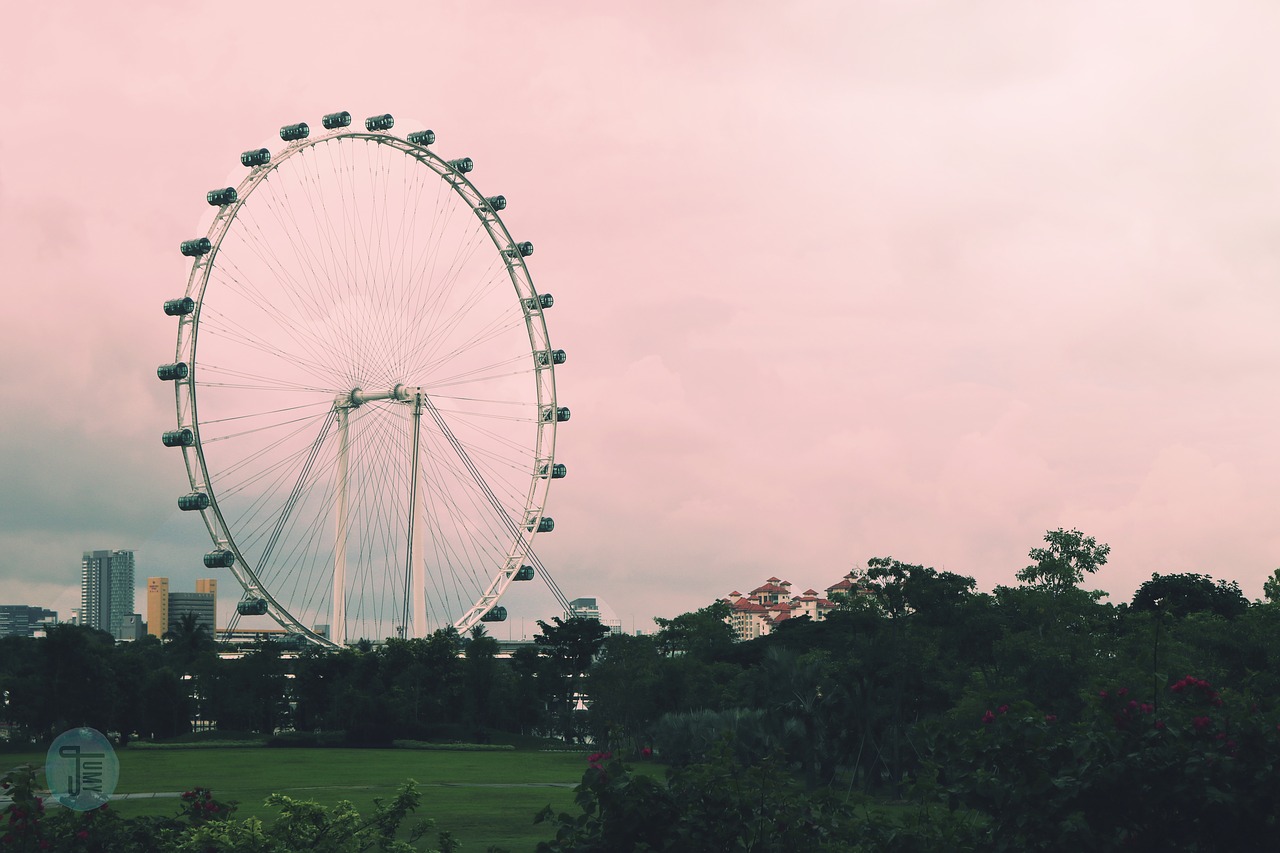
x=483, y=798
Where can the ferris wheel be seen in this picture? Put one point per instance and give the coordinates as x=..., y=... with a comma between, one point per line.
x=365, y=388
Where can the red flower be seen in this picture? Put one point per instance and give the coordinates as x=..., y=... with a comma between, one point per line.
x=1050, y=718
x=1160, y=725
x=1200, y=722
x=1003, y=709
x=82, y=834
x=1123, y=691
x=988, y=718
x=1147, y=708
x=646, y=752
x=1102, y=694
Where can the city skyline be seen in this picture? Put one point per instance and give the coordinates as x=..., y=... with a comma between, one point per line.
x=836, y=281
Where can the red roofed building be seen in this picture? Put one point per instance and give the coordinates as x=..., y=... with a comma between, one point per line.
x=757, y=613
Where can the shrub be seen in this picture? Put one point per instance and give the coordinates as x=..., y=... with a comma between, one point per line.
x=1196, y=774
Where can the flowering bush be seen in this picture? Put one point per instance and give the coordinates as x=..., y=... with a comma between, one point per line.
x=1198, y=771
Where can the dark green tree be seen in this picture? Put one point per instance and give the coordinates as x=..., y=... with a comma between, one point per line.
x=704, y=633
x=1180, y=594
x=569, y=646
x=1068, y=556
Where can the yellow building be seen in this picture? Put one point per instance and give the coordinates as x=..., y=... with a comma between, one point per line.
x=157, y=606
x=160, y=605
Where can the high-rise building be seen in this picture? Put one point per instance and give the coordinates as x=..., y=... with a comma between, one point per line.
x=20, y=620
x=106, y=591
x=165, y=609
x=157, y=606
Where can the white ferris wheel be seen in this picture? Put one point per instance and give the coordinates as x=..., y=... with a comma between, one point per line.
x=365, y=387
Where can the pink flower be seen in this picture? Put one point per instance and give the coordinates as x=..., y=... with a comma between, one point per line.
x=1050, y=718
x=1123, y=691
x=988, y=718
x=1102, y=694
x=1200, y=722
x=1003, y=709
x=1147, y=708
x=646, y=752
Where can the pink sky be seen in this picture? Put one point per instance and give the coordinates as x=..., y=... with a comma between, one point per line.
x=837, y=280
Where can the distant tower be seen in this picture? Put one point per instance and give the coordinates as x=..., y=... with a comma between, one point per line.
x=157, y=606
x=106, y=591
x=210, y=586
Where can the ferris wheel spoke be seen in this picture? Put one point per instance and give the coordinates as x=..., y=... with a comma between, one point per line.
x=316, y=357
x=487, y=372
x=300, y=281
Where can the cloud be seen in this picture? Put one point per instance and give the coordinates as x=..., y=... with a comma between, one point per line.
x=835, y=280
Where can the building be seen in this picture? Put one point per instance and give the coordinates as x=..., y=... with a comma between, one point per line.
x=19, y=620
x=134, y=628
x=758, y=612
x=157, y=606
x=106, y=591
x=592, y=608
x=165, y=609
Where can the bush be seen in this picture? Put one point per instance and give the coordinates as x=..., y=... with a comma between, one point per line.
x=1197, y=774
x=204, y=825
x=453, y=747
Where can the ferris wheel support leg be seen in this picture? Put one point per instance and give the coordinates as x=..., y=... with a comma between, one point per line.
x=338, y=630
x=415, y=590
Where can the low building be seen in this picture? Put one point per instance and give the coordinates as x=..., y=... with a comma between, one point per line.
x=21, y=620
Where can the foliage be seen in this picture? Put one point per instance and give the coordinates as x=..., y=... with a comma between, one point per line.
x=703, y=633
x=205, y=825
x=1198, y=772
x=1180, y=594
x=709, y=806
x=452, y=747
x=1070, y=555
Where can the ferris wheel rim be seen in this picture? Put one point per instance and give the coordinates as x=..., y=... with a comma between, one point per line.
x=204, y=266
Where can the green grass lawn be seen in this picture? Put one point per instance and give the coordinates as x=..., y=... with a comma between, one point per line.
x=483, y=798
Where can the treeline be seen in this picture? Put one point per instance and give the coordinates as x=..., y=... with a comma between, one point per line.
x=1037, y=716
x=845, y=699
x=443, y=687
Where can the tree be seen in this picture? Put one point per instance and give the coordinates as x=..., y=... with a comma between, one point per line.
x=623, y=685
x=480, y=674
x=704, y=633
x=1180, y=594
x=1271, y=589
x=568, y=646
x=1070, y=555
